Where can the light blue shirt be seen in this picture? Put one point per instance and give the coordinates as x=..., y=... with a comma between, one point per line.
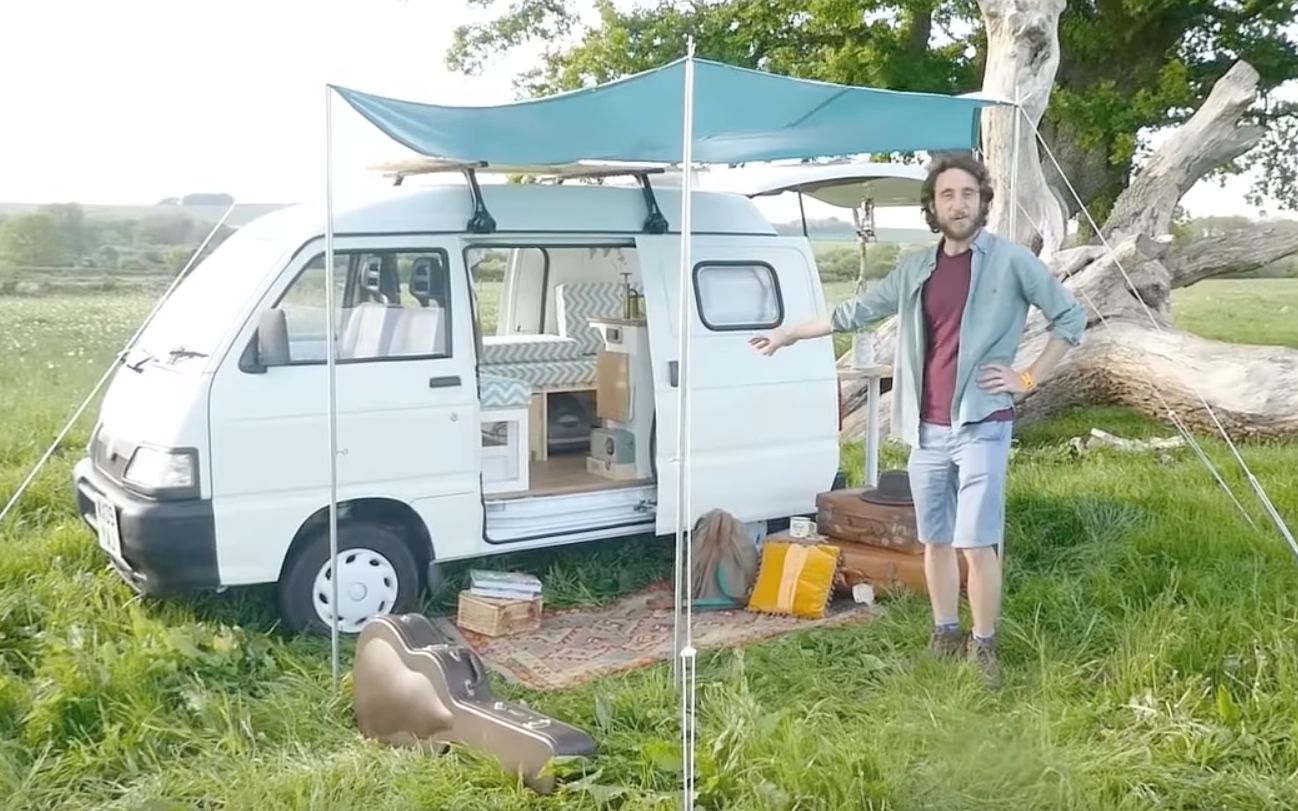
x=1005, y=280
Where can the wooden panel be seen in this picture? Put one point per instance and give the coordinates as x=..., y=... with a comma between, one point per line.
x=566, y=474
x=537, y=427
x=612, y=386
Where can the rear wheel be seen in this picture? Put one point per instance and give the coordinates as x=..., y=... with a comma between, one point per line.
x=377, y=575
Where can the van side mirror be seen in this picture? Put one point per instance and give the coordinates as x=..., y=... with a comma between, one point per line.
x=269, y=344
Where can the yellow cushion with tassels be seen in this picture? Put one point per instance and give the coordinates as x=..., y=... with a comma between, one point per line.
x=794, y=578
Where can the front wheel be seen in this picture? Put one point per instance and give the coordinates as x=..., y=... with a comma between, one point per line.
x=377, y=575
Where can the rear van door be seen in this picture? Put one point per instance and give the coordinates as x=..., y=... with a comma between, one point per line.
x=762, y=431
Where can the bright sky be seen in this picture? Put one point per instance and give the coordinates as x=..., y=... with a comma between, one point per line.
x=135, y=100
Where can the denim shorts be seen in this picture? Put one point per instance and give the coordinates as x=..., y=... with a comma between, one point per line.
x=957, y=480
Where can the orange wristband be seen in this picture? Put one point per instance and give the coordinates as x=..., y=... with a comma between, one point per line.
x=1028, y=383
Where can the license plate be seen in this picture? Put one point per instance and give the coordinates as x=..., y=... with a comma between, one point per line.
x=110, y=538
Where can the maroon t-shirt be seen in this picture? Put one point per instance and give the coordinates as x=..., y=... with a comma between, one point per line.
x=943, y=299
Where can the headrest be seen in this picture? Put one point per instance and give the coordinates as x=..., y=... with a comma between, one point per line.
x=379, y=279
x=372, y=274
x=422, y=274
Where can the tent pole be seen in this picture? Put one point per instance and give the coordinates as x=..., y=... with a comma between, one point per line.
x=685, y=653
x=332, y=366
x=1018, y=113
x=803, y=211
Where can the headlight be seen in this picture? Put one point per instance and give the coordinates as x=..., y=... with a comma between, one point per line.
x=157, y=470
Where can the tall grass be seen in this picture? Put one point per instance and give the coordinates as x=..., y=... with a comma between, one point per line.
x=1148, y=645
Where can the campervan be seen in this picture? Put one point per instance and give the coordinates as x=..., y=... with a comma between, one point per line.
x=507, y=377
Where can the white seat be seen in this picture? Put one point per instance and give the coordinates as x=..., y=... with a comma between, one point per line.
x=418, y=331
x=377, y=330
x=365, y=335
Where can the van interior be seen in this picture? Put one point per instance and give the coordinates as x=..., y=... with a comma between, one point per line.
x=565, y=383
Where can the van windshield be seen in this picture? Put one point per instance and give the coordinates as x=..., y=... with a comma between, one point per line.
x=193, y=320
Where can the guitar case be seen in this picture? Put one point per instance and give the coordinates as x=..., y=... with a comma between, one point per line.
x=411, y=688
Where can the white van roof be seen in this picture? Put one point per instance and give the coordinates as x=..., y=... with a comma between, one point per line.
x=516, y=208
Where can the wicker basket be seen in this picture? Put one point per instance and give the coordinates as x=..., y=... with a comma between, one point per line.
x=492, y=617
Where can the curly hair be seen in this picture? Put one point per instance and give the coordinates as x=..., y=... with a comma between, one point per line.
x=967, y=163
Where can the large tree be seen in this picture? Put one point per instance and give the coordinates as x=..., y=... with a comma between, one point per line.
x=1126, y=67
x=1133, y=354
x=1093, y=76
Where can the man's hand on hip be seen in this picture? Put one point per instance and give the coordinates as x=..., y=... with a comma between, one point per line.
x=996, y=378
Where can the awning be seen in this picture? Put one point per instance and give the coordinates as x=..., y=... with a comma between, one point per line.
x=740, y=115
x=847, y=185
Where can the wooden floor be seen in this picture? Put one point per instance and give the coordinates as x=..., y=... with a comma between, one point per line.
x=565, y=474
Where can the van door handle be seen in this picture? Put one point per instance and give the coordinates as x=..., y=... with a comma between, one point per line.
x=447, y=382
x=674, y=372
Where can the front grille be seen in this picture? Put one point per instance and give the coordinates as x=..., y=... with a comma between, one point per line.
x=110, y=455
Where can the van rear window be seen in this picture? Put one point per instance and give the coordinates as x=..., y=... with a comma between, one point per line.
x=738, y=295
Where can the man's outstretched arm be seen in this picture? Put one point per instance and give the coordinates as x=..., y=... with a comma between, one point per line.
x=880, y=302
x=775, y=339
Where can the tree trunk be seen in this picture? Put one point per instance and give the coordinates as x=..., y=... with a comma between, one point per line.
x=1253, y=390
x=1022, y=56
x=1095, y=179
x=1132, y=354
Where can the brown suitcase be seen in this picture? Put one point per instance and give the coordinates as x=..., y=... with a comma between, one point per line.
x=887, y=521
x=411, y=688
x=888, y=570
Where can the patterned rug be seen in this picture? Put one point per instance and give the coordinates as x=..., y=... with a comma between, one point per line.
x=574, y=646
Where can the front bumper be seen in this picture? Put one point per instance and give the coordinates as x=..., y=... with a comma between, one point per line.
x=166, y=546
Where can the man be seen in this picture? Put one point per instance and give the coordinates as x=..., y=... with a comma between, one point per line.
x=961, y=310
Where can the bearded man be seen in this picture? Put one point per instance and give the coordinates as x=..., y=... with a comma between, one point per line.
x=961, y=309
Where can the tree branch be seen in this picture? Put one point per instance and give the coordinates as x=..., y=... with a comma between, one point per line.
x=1235, y=251
x=1212, y=137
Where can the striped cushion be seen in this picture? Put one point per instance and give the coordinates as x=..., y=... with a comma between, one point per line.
x=551, y=373
x=578, y=303
x=527, y=349
x=504, y=392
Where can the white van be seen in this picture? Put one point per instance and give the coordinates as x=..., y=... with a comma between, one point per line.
x=494, y=392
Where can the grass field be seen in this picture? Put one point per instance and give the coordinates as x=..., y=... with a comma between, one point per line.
x=1149, y=647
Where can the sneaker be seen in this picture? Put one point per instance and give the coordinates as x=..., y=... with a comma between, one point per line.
x=944, y=642
x=982, y=654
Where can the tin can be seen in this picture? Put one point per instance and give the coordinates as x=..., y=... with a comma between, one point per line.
x=863, y=350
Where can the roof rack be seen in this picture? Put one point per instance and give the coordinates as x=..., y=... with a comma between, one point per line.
x=483, y=223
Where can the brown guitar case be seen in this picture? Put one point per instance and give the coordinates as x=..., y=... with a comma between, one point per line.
x=412, y=688
x=882, y=516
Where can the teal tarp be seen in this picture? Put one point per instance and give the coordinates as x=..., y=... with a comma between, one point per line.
x=740, y=115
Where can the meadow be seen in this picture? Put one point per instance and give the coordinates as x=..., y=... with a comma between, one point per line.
x=1148, y=645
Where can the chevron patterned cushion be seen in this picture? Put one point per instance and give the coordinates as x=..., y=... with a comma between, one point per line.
x=578, y=303
x=550, y=373
x=504, y=392
x=528, y=349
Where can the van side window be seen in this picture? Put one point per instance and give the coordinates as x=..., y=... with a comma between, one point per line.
x=387, y=305
x=738, y=295
x=304, y=309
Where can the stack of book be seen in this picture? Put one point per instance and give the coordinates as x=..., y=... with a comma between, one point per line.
x=500, y=603
x=504, y=585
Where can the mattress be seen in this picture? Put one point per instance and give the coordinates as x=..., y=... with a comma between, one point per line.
x=498, y=349
x=549, y=373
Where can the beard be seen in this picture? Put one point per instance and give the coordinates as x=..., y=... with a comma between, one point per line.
x=959, y=229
